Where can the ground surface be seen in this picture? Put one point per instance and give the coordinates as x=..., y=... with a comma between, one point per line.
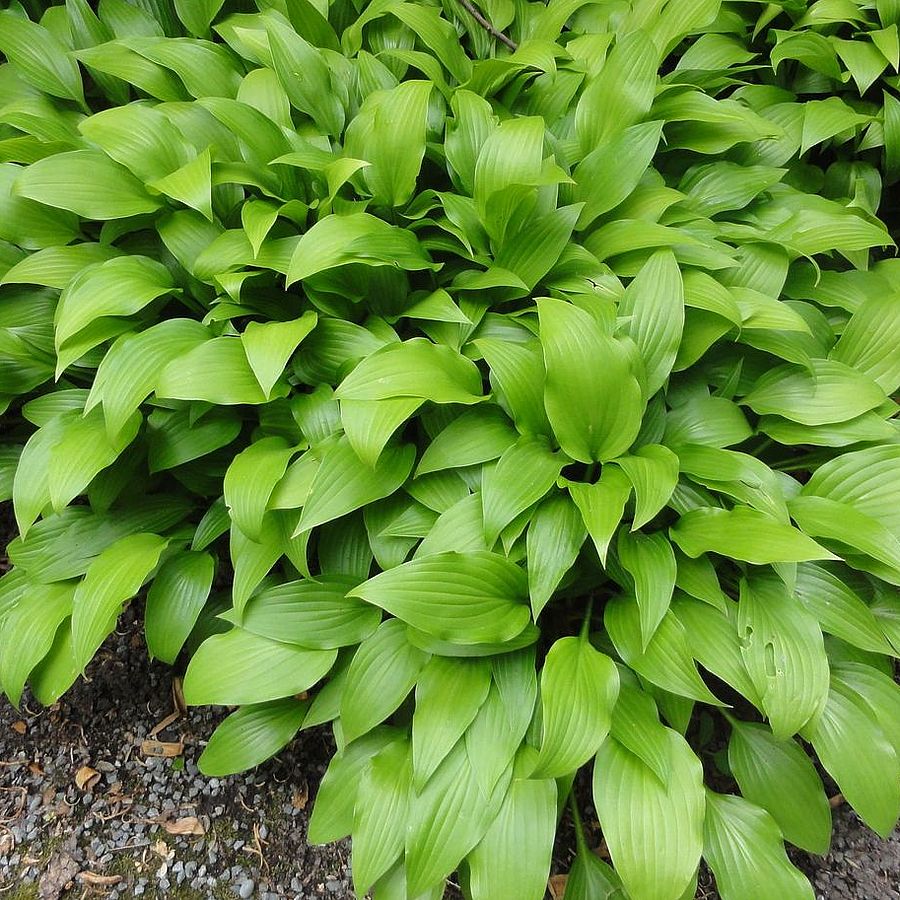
x=84, y=811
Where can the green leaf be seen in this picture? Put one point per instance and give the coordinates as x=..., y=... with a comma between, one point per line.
x=592, y=879
x=114, y=577
x=217, y=371
x=784, y=652
x=56, y=266
x=197, y=16
x=415, y=368
x=743, y=533
x=523, y=475
x=88, y=183
x=460, y=597
x=742, y=845
x=602, y=506
x=621, y=94
x=868, y=341
x=389, y=133
x=128, y=372
x=595, y=410
x=713, y=421
x=449, y=694
x=30, y=626
x=191, y=184
x=250, y=736
x=555, y=535
x=653, y=307
x=381, y=675
x=611, y=171
x=839, y=610
x=39, y=57
x=856, y=753
x=579, y=687
x=477, y=436
x=120, y=286
x=650, y=561
x=512, y=860
x=332, y=817
x=831, y=392
x=342, y=484
x=239, y=667
x=666, y=661
x=654, y=831
x=380, y=815
x=518, y=371
x=780, y=777
x=653, y=472
x=270, y=345
x=174, y=601
x=315, y=614
x=250, y=480
x=447, y=820
x=173, y=440
x=355, y=238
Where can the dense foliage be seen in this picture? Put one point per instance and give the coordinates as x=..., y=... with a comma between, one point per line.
x=512, y=391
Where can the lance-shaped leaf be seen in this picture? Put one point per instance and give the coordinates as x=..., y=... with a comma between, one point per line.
x=381, y=675
x=129, y=370
x=312, y=613
x=518, y=376
x=595, y=410
x=342, y=483
x=743, y=847
x=743, y=533
x=784, y=652
x=250, y=480
x=118, y=287
x=650, y=561
x=415, y=368
x=88, y=183
x=449, y=694
x=522, y=476
x=389, y=133
x=174, y=602
x=780, y=777
x=30, y=626
x=555, y=535
x=355, y=238
x=449, y=817
x=250, y=736
x=579, y=687
x=868, y=342
x=38, y=55
x=381, y=814
x=666, y=661
x=477, y=436
x=56, y=266
x=654, y=831
x=269, y=346
x=216, y=371
x=828, y=393
x=238, y=667
x=653, y=309
x=653, y=472
x=855, y=751
x=369, y=424
x=115, y=576
x=461, y=597
x=512, y=861
x=602, y=506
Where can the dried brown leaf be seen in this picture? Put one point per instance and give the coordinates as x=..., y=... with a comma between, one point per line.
x=19, y=727
x=557, y=886
x=187, y=825
x=168, y=749
x=95, y=880
x=86, y=778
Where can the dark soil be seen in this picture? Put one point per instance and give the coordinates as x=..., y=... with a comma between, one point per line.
x=113, y=835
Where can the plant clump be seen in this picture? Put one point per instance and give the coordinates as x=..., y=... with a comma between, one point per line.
x=510, y=386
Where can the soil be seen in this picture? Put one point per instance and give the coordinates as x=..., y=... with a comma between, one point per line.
x=84, y=812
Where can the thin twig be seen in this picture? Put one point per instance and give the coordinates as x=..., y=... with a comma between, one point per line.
x=487, y=25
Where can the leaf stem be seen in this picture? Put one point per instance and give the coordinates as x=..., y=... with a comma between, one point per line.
x=580, y=841
x=586, y=624
x=487, y=25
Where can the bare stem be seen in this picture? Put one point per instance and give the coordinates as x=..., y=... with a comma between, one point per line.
x=487, y=25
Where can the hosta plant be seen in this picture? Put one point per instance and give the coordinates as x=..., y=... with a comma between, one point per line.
x=509, y=387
